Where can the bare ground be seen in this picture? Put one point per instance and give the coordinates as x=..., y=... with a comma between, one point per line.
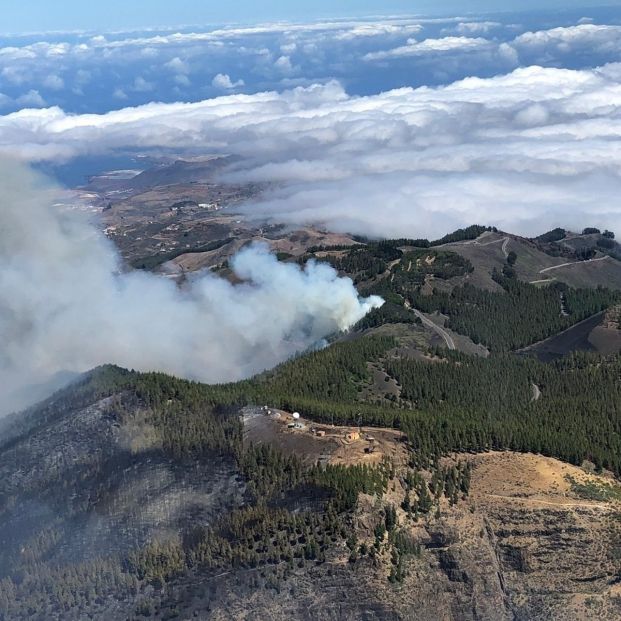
x=333, y=446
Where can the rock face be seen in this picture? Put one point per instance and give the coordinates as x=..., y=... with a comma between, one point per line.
x=522, y=547
x=557, y=552
x=557, y=563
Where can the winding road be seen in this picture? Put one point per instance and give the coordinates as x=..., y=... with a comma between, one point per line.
x=555, y=267
x=448, y=339
x=505, y=243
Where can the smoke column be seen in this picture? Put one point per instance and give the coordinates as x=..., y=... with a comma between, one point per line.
x=66, y=304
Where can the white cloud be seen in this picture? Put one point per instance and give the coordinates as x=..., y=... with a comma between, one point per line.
x=470, y=28
x=591, y=38
x=283, y=64
x=411, y=160
x=13, y=75
x=525, y=151
x=54, y=82
x=289, y=48
x=142, y=86
x=378, y=30
x=178, y=66
x=535, y=114
x=509, y=54
x=223, y=81
x=31, y=99
x=182, y=80
x=150, y=45
x=432, y=46
x=274, y=55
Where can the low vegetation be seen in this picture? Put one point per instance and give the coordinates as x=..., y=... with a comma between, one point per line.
x=594, y=490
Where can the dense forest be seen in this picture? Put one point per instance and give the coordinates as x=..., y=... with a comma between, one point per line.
x=517, y=315
x=465, y=403
x=520, y=315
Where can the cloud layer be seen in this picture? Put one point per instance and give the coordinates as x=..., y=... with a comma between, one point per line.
x=93, y=72
x=532, y=149
x=66, y=306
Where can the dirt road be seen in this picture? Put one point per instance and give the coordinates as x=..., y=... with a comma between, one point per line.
x=448, y=339
x=555, y=267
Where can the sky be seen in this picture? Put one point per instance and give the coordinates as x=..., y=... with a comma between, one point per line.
x=44, y=15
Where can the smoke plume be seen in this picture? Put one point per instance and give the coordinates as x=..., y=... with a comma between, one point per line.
x=67, y=305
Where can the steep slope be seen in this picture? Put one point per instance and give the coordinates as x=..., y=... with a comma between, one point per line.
x=525, y=545
x=89, y=476
x=137, y=496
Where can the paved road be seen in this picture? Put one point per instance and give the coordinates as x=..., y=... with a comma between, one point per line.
x=448, y=339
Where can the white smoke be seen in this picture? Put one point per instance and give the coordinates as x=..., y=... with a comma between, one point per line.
x=65, y=304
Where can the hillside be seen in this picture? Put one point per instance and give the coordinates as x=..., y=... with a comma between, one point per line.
x=130, y=496
x=457, y=457
x=478, y=290
x=147, y=496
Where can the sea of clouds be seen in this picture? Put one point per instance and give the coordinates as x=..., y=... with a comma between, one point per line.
x=525, y=151
x=99, y=72
x=526, y=138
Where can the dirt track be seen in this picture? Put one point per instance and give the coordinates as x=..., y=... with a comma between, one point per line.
x=448, y=339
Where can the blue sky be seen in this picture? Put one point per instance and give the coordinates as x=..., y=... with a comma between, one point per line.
x=44, y=15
